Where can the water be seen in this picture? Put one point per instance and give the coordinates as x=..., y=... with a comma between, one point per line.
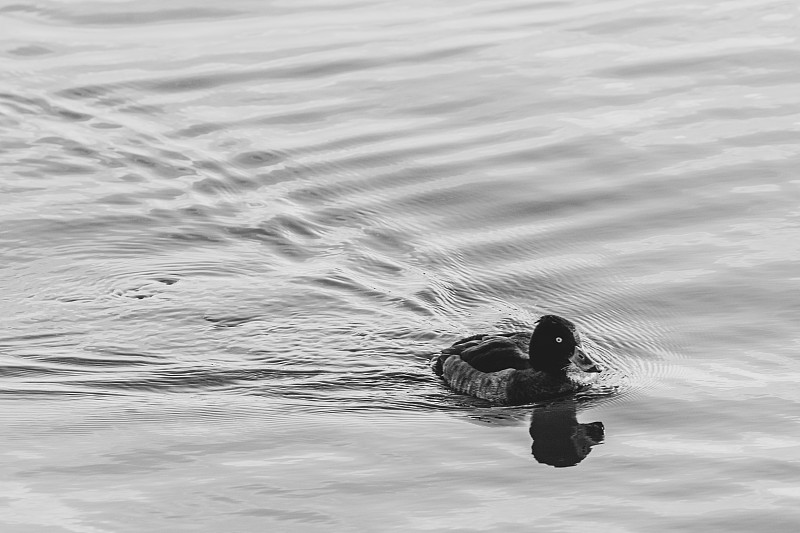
x=232, y=236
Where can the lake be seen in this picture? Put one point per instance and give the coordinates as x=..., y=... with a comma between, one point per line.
x=232, y=237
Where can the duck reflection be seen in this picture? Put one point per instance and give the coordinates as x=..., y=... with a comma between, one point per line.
x=558, y=439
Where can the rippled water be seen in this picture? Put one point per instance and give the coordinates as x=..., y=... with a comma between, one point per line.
x=233, y=235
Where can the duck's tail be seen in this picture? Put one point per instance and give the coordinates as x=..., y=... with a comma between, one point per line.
x=437, y=363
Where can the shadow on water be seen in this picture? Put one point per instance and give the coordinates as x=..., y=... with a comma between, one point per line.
x=559, y=439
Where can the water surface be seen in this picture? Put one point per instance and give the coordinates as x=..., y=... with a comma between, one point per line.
x=232, y=236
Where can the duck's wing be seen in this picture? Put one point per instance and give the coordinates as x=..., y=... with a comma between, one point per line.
x=488, y=352
x=458, y=347
x=495, y=353
x=521, y=338
x=437, y=363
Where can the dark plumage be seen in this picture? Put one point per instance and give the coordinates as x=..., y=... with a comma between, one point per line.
x=558, y=439
x=517, y=367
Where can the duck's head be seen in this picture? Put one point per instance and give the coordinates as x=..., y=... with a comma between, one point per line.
x=555, y=344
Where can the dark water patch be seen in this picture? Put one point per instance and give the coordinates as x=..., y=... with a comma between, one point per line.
x=34, y=372
x=215, y=167
x=85, y=92
x=743, y=521
x=258, y=159
x=232, y=322
x=23, y=104
x=629, y=24
x=11, y=145
x=438, y=54
x=198, y=130
x=723, y=66
x=42, y=107
x=140, y=109
x=197, y=212
x=172, y=154
x=118, y=18
x=447, y=106
x=121, y=360
x=18, y=8
x=194, y=83
x=135, y=18
x=283, y=515
x=58, y=168
x=324, y=69
x=43, y=339
x=70, y=115
x=30, y=391
x=765, y=138
x=321, y=69
x=106, y=126
x=31, y=50
x=192, y=238
x=104, y=95
x=230, y=185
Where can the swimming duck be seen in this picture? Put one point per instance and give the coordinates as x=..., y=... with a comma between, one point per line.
x=519, y=367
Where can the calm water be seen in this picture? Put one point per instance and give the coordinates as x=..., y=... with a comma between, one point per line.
x=232, y=236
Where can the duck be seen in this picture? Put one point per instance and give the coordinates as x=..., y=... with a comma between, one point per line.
x=518, y=367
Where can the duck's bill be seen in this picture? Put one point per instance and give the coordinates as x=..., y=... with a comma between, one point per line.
x=584, y=362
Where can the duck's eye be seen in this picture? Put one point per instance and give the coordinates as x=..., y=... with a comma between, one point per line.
x=558, y=339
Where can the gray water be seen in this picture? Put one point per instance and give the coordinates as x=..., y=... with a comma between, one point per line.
x=232, y=236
